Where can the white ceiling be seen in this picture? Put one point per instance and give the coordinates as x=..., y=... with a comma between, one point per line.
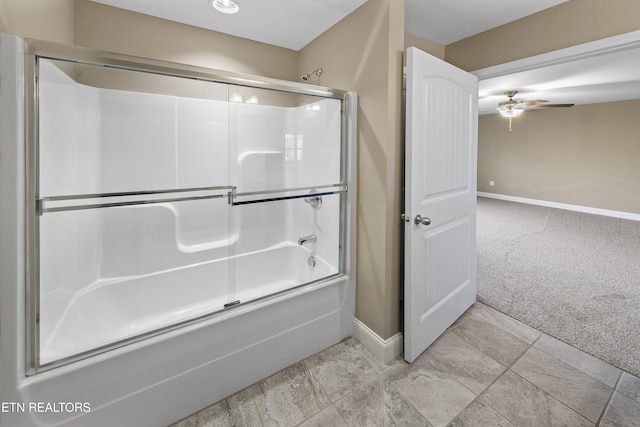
x=602, y=71
x=294, y=23
x=286, y=23
x=447, y=21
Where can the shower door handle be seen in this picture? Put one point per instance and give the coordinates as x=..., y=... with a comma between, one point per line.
x=421, y=220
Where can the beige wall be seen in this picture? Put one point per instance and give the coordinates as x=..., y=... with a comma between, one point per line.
x=579, y=155
x=432, y=48
x=109, y=28
x=364, y=52
x=586, y=155
x=38, y=19
x=568, y=24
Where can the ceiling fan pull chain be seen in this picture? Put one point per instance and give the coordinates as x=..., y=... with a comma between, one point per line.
x=509, y=124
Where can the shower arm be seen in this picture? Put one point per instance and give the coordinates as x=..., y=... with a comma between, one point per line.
x=317, y=72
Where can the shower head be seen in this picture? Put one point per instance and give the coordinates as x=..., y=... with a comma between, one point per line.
x=305, y=77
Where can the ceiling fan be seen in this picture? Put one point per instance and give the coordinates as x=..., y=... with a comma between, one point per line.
x=514, y=107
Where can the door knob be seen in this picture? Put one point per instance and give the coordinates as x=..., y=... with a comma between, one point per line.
x=419, y=219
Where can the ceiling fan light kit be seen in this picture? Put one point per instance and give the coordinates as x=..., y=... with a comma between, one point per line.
x=514, y=107
x=511, y=112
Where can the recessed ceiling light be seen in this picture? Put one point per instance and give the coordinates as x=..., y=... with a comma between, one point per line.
x=225, y=6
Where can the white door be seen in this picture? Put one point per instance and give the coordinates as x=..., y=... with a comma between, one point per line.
x=440, y=198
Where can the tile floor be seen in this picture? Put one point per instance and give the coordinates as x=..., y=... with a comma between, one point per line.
x=486, y=370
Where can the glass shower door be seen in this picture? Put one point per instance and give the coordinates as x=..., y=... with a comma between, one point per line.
x=287, y=154
x=133, y=212
x=162, y=200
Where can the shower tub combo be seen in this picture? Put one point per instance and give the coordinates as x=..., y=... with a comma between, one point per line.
x=173, y=233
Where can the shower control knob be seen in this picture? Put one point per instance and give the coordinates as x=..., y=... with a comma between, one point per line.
x=421, y=220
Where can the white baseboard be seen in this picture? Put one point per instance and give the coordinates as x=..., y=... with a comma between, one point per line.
x=565, y=206
x=383, y=350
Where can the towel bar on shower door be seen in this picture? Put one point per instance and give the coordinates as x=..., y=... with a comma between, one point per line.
x=41, y=204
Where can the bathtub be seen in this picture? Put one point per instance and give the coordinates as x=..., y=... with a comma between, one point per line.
x=111, y=310
x=167, y=377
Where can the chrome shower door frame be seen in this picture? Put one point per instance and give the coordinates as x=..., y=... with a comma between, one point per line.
x=34, y=206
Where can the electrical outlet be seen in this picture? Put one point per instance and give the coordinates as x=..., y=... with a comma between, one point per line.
x=491, y=183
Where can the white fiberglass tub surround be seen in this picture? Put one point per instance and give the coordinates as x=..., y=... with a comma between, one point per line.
x=188, y=237
x=111, y=309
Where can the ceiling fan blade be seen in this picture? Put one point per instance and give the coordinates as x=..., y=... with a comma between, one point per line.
x=510, y=105
x=550, y=105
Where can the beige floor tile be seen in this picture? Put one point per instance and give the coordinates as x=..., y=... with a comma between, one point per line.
x=434, y=392
x=575, y=389
x=290, y=396
x=243, y=408
x=342, y=368
x=595, y=368
x=329, y=416
x=469, y=365
x=526, y=405
x=509, y=324
x=479, y=414
x=630, y=386
x=492, y=340
x=377, y=404
x=622, y=412
x=236, y=411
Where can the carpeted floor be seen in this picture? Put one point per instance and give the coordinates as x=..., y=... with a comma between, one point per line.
x=572, y=275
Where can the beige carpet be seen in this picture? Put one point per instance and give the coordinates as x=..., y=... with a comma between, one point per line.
x=572, y=275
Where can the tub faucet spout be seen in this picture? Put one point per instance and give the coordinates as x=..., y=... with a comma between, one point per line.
x=307, y=239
